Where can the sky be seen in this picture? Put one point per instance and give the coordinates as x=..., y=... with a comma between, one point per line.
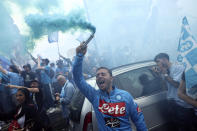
x=137, y=30
x=127, y=31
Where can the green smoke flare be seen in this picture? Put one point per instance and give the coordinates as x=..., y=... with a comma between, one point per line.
x=44, y=24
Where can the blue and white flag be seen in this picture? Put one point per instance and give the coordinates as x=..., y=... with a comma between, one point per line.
x=53, y=37
x=188, y=56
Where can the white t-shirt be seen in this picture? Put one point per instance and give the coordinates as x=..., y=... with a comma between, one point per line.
x=176, y=71
x=21, y=120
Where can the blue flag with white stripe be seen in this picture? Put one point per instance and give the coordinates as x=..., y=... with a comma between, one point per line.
x=187, y=50
x=53, y=37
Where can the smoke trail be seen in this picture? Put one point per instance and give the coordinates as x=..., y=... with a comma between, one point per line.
x=44, y=24
x=153, y=5
x=42, y=5
x=45, y=5
x=9, y=33
x=12, y=43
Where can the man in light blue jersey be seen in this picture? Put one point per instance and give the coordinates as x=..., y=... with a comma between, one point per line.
x=113, y=107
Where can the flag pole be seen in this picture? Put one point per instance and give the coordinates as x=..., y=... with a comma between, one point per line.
x=58, y=50
x=53, y=37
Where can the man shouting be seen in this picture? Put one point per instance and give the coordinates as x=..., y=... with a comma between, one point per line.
x=113, y=107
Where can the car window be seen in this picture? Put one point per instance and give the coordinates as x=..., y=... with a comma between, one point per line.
x=139, y=82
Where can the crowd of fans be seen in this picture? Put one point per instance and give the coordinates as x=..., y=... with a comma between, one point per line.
x=28, y=94
x=46, y=83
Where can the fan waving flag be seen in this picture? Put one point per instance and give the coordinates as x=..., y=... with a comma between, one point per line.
x=187, y=50
x=53, y=37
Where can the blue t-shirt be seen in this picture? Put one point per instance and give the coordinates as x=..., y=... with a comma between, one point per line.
x=15, y=79
x=4, y=79
x=44, y=75
x=62, y=70
x=176, y=71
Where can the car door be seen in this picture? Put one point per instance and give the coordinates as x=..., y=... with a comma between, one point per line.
x=149, y=92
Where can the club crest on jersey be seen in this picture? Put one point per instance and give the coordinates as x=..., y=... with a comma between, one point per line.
x=118, y=97
x=112, y=109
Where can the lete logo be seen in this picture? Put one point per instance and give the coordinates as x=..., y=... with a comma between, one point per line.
x=112, y=109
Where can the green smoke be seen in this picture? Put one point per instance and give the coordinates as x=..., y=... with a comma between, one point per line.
x=12, y=43
x=29, y=43
x=9, y=33
x=44, y=24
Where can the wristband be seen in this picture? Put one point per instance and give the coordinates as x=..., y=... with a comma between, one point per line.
x=80, y=55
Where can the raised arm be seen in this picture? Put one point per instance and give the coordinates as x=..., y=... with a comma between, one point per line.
x=33, y=58
x=39, y=64
x=79, y=79
x=182, y=94
x=3, y=70
x=66, y=59
x=62, y=56
x=33, y=90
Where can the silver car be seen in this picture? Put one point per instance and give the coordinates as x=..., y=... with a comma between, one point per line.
x=143, y=84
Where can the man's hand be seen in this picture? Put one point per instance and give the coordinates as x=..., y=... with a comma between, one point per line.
x=61, y=55
x=3, y=70
x=164, y=70
x=8, y=86
x=81, y=49
x=57, y=96
x=156, y=69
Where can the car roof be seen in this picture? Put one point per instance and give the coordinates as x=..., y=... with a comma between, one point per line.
x=132, y=66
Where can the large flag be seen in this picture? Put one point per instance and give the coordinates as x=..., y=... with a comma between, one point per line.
x=188, y=56
x=53, y=37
